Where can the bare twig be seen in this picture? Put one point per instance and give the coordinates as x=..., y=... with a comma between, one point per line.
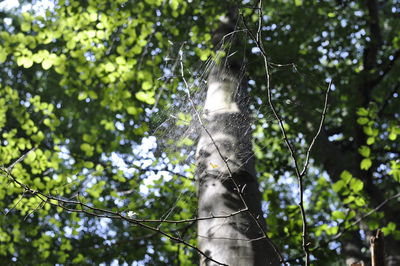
x=16, y=204
x=366, y=215
x=300, y=174
x=340, y=234
x=101, y=213
x=40, y=205
x=319, y=130
x=20, y=159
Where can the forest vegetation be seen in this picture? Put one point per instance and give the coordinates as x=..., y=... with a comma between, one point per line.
x=107, y=118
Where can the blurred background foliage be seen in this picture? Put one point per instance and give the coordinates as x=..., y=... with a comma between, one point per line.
x=84, y=82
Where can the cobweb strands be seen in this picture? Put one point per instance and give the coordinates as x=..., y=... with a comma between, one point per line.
x=181, y=127
x=176, y=126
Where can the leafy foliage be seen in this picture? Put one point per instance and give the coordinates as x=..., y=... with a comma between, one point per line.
x=80, y=83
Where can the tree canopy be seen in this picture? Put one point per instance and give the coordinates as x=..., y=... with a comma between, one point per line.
x=96, y=133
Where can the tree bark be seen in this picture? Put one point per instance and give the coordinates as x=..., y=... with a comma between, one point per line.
x=225, y=165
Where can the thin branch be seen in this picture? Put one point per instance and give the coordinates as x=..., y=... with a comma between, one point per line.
x=366, y=215
x=97, y=212
x=40, y=205
x=319, y=130
x=116, y=214
x=20, y=159
x=336, y=237
x=258, y=40
x=283, y=131
x=16, y=204
x=377, y=249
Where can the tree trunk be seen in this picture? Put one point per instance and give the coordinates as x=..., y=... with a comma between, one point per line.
x=224, y=164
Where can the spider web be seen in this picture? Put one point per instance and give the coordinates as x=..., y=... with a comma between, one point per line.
x=176, y=126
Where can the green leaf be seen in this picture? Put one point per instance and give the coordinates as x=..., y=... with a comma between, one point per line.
x=298, y=2
x=82, y=95
x=338, y=215
x=368, y=130
x=37, y=58
x=362, y=111
x=332, y=230
x=365, y=164
x=338, y=185
x=391, y=226
x=26, y=62
x=364, y=151
x=331, y=15
x=174, y=4
x=349, y=199
x=320, y=229
x=47, y=63
x=395, y=170
x=30, y=157
x=393, y=135
x=185, y=142
x=93, y=17
x=108, y=125
x=131, y=110
x=362, y=120
x=346, y=176
x=145, y=97
x=109, y=67
x=87, y=148
x=3, y=55
x=370, y=140
x=356, y=185
x=147, y=85
x=47, y=122
x=25, y=26
x=359, y=201
x=88, y=164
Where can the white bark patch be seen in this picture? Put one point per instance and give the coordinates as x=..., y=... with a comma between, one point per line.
x=220, y=98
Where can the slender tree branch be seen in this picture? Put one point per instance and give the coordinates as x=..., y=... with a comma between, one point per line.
x=340, y=234
x=366, y=215
x=101, y=213
x=300, y=175
x=319, y=130
x=16, y=204
x=257, y=39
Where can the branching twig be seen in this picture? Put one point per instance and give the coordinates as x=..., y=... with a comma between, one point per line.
x=16, y=204
x=340, y=234
x=103, y=213
x=318, y=132
x=365, y=216
x=300, y=174
x=40, y=205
